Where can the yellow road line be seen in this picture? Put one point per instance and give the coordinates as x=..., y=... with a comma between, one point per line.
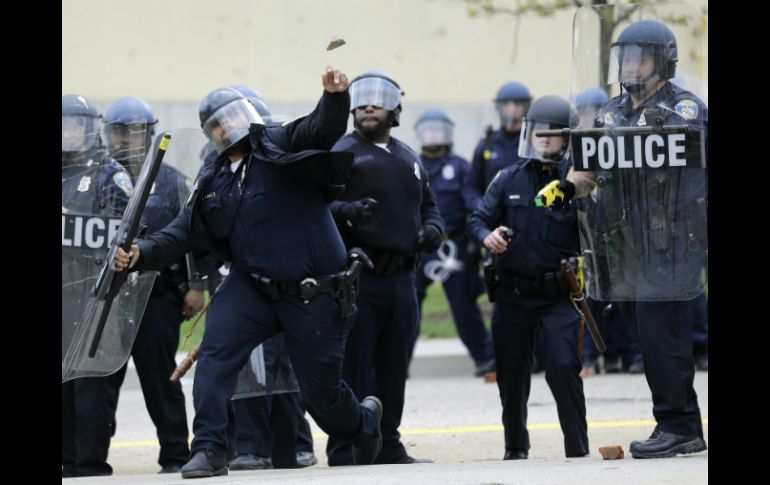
x=461, y=429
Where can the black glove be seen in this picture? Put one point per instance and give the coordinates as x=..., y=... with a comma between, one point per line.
x=429, y=238
x=359, y=254
x=358, y=211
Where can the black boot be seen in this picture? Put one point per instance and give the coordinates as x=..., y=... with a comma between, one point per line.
x=366, y=454
x=204, y=463
x=663, y=444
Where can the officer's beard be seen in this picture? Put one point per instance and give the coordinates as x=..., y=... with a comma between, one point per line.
x=373, y=132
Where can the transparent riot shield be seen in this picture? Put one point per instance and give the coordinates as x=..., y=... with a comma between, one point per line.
x=99, y=339
x=268, y=371
x=643, y=228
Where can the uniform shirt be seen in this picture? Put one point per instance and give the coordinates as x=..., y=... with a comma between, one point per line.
x=504, y=152
x=541, y=237
x=397, y=180
x=448, y=177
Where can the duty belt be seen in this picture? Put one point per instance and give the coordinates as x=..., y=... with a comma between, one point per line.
x=306, y=289
x=388, y=263
x=552, y=285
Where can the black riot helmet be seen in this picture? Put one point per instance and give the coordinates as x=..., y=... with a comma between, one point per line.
x=547, y=113
x=644, y=39
x=254, y=98
x=80, y=126
x=225, y=116
x=129, y=125
x=375, y=88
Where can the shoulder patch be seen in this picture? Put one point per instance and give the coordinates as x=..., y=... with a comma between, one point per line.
x=123, y=181
x=687, y=109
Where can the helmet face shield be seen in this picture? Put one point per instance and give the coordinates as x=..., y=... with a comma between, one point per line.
x=512, y=111
x=547, y=149
x=374, y=91
x=434, y=133
x=78, y=133
x=631, y=64
x=230, y=123
x=128, y=143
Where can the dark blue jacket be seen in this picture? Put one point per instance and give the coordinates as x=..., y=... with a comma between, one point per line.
x=274, y=219
x=448, y=177
x=503, y=152
x=95, y=188
x=541, y=237
x=399, y=183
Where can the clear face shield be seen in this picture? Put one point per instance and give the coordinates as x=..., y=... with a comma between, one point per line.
x=547, y=149
x=587, y=116
x=374, y=91
x=78, y=133
x=435, y=133
x=230, y=123
x=128, y=144
x=511, y=112
x=631, y=65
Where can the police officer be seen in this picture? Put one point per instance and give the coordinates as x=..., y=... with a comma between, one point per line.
x=499, y=149
x=92, y=184
x=388, y=210
x=261, y=441
x=262, y=206
x=448, y=176
x=129, y=130
x=532, y=295
x=643, y=60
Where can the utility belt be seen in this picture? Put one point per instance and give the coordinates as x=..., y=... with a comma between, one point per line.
x=343, y=286
x=170, y=279
x=388, y=263
x=552, y=285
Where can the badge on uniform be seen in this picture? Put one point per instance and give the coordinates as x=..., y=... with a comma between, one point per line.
x=123, y=181
x=84, y=184
x=417, y=170
x=448, y=172
x=642, y=121
x=687, y=109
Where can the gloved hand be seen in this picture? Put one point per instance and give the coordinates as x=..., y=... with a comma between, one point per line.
x=359, y=254
x=429, y=238
x=358, y=211
x=556, y=195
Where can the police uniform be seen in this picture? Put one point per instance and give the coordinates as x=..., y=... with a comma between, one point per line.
x=377, y=352
x=448, y=177
x=92, y=186
x=270, y=219
x=496, y=151
x=665, y=328
x=532, y=296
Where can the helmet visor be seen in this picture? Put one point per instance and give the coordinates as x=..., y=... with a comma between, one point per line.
x=230, y=123
x=630, y=64
x=434, y=133
x=544, y=148
x=78, y=133
x=374, y=91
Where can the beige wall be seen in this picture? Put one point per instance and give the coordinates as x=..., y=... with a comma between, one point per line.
x=173, y=52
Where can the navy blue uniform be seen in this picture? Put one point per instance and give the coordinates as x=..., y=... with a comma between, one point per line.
x=377, y=353
x=532, y=297
x=502, y=147
x=665, y=327
x=270, y=217
x=95, y=187
x=448, y=177
x=154, y=350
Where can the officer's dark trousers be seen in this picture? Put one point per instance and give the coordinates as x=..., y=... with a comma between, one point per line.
x=269, y=426
x=665, y=335
x=88, y=422
x=461, y=289
x=618, y=335
x=515, y=321
x=239, y=319
x=700, y=334
x=377, y=357
x=154, y=354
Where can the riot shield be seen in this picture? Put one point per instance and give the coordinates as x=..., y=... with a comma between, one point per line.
x=101, y=337
x=643, y=228
x=268, y=371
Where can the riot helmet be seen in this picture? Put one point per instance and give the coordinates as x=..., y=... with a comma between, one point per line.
x=588, y=103
x=80, y=125
x=512, y=103
x=225, y=116
x=644, y=49
x=375, y=88
x=254, y=98
x=547, y=113
x=129, y=125
x=434, y=130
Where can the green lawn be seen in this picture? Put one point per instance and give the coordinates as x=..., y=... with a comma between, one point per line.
x=436, y=323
